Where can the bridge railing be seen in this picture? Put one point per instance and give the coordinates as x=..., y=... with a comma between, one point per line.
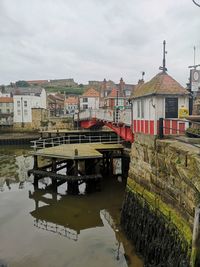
x=109, y=115
x=125, y=116
x=78, y=139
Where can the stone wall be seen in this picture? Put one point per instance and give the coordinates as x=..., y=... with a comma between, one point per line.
x=171, y=170
x=166, y=173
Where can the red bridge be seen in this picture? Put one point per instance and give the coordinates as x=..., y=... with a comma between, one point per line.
x=123, y=123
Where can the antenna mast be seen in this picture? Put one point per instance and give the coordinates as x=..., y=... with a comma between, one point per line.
x=195, y=65
x=163, y=67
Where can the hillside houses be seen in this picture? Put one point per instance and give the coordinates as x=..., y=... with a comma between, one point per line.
x=23, y=106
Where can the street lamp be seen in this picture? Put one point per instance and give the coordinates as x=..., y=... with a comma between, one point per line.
x=196, y=2
x=22, y=112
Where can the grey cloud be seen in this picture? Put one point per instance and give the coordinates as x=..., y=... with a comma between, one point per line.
x=93, y=39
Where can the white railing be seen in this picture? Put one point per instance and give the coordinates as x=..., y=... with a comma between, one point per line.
x=109, y=115
x=125, y=116
x=56, y=141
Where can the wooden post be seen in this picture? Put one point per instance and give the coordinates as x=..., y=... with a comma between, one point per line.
x=195, y=257
x=160, y=133
x=107, y=163
x=72, y=169
x=54, y=181
x=35, y=165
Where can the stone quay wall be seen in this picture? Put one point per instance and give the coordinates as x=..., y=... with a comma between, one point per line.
x=164, y=180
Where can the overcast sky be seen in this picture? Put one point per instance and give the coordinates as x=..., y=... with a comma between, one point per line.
x=96, y=39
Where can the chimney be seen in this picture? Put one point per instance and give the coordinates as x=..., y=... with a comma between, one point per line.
x=121, y=87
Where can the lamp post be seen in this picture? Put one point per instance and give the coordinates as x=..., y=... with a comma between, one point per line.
x=22, y=112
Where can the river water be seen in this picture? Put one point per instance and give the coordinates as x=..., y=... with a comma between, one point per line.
x=44, y=229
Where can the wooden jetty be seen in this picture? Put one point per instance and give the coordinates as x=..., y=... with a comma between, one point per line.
x=78, y=163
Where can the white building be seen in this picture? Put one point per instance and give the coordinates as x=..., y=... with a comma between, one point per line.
x=89, y=100
x=71, y=104
x=161, y=97
x=24, y=100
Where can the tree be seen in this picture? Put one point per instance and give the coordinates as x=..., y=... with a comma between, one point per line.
x=22, y=84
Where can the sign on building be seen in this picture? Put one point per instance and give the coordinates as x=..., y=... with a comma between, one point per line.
x=195, y=79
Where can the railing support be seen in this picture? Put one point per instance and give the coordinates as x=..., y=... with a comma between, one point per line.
x=160, y=132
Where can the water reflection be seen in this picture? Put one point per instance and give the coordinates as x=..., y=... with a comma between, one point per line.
x=13, y=169
x=86, y=226
x=69, y=216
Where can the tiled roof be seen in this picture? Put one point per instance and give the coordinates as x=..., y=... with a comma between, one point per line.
x=161, y=84
x=55, y=98
x=71, y=100
x=6, y=100
x=113, y=93
x=28, y=91
x=91, y=93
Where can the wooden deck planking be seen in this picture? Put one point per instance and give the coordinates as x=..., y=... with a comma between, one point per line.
x=85, y=151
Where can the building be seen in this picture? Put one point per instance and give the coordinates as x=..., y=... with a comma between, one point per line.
x=71, y=104
x=115, y=99
x=161, y=97
x=63, y=82
x=24, y=100
x=6, y=111
x=89, y=99
x=38, y=82
x=110, y=90
x=125, y=89
x=56, y=104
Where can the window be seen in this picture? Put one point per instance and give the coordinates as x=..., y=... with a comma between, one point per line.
x=25, y=112
x=7, y=104
x=25, y=103
x=0, y=111
x=85, y=106
x=85, y=99
x=18, y=112
x=18, y=103
x=8, y=110
x=142, y=108
x=138, y=109
x=171, y=107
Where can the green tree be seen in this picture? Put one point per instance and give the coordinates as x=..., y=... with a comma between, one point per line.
x=22, y=84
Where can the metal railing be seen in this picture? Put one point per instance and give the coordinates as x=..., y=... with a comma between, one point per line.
x=56, y=141
x=109, y=115
x=187, y=133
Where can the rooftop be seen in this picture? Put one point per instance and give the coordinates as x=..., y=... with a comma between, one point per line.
x=161, y=84
x=71, y=100
x=91, y=93
x=6, y=100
